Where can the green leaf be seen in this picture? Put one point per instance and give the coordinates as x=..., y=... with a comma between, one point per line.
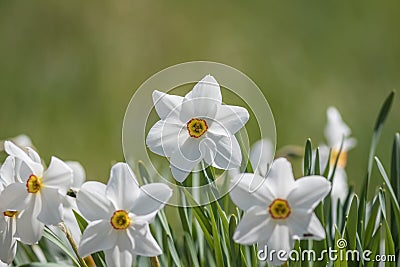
x=374, y=245
x=369, y=231
x=395, y=182
x=233, y=245
x=81, y=221
x=384, y=111
x=395, y=204
x=49, y=235
x=317, y=170
x=338, y=241
x=307, y=158
x=328, y=164
x=321, y=245
x=144, y=174
x=192, y=251
x=351, y=224
x=389, y=243
x=201, y=218
x=336, y=161
x=42, y=264
x=217, y=245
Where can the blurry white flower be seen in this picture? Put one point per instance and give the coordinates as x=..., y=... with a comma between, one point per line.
x=196, y=127
x=22, y=140
x=337, y=130
x=261, y=156
x=119, y=215
x=280, y=209
x=38, y=193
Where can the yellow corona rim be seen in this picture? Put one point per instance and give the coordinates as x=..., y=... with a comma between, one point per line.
x=342, y=161
x=10, y=213
x=279, y=209
x=33, y=184
x=197, y=127
x=120, y=220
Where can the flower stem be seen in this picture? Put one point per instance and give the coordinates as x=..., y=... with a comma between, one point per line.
x=71, y=240
x=154, y=262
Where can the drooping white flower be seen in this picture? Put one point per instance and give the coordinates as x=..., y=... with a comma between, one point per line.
x=119, y=215
x=197, y=127
x=8, y=241
x=279, y=209
x=38, y=193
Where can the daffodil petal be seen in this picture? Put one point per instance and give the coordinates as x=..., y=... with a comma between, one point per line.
x=29, y=228
x=304, y=225
x=178, y=174
x=145, y=244
x=183, y=162
x=7, y=173
x=280, y=240
x=93, y=203
x=167, y=106
x=117, y=258
x=122, y=188
x=14, y=197
x=8, y=243
x=69, y=218
x=58, y=175
x=17, y=152
x=249, y=190
x=79, y=174
x=51, y=211
x=280, y=177
x=230, y=118
x=208, y=87
x=227, y=153
x=162, y=138
x=152, y=197
x=256, y=223
x=33, y=155
x=308, y=192
x=261, y=155
x=98, y=236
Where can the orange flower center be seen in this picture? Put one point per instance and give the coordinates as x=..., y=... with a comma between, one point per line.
x=120, y=220
x=279, y=209
x=197, y=127
x=33, y=184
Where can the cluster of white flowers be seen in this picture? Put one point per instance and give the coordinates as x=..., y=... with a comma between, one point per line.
x=33, y=196
x=194, y=129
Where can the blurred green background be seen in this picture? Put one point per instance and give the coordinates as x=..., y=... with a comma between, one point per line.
x=69, y=68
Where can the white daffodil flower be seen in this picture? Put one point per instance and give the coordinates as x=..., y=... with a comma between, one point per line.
x=337, y=130
x=197, y=127
x=37, y=194
x=8, y=241
x=119, y=215
x=278, y=209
